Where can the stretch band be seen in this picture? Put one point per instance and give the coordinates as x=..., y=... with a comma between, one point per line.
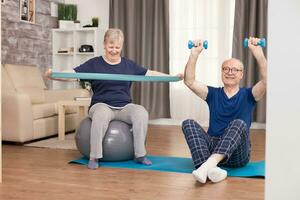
x=115, y=77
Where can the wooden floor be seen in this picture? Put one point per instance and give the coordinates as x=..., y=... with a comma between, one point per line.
x=44, y=174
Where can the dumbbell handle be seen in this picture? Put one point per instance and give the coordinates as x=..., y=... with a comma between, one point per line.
x=261, y=42
x=191, y=44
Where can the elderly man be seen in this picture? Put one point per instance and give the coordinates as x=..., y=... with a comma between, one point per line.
x=227, y=142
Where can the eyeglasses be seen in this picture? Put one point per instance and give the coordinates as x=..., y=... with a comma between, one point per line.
x=233, y=70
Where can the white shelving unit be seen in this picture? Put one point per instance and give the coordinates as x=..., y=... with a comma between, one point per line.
x=73, y=39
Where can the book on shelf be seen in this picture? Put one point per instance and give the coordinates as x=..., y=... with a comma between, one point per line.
x=82, y=98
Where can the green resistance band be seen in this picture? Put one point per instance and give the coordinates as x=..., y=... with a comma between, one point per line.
x=114, y=77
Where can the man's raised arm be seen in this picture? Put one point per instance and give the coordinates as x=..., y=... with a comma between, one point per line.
x=259, y=89
x=198, y=88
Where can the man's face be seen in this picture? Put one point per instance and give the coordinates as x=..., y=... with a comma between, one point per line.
x=232, y=72
x=113, y=50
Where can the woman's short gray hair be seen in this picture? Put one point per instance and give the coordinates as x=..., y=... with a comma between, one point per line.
x=113, y=35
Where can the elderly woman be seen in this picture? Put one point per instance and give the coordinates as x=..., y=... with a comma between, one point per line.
x=111, y=100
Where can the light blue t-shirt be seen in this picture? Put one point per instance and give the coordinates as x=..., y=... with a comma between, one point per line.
x=223, y=110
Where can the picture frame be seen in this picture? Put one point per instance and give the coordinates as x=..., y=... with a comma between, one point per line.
x=27, y=11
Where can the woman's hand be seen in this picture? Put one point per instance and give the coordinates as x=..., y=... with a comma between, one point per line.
x=48, y=74
x=180, y=75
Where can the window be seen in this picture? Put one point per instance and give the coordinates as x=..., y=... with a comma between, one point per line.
x=210, y=20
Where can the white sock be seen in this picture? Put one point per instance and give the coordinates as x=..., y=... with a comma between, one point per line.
x=216, y=174
x=201, y=173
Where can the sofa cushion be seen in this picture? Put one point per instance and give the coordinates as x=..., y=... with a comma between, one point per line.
x=28, y=80
x=44, y=110
x=36, y=96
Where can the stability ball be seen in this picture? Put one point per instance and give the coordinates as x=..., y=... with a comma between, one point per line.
x=117, y=142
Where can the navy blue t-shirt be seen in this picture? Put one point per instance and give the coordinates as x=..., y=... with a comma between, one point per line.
x=223, y=110
x=113, y=93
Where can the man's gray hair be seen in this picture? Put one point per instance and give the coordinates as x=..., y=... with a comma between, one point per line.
x=240, y=64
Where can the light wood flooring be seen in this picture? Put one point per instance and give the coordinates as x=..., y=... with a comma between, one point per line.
x=44, y=174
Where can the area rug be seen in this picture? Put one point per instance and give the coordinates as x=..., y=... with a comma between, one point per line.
x=54, y=143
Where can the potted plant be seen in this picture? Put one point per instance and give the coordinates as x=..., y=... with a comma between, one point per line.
x=67, y=14
x=95, y=21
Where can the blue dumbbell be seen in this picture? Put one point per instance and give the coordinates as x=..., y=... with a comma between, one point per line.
x=191, y=44
x=261, y=42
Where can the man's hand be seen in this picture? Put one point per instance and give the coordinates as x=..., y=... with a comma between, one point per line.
x=198, y=47
x=254, y=48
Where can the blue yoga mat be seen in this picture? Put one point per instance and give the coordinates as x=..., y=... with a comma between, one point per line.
x=115, y=77
x=181, y=165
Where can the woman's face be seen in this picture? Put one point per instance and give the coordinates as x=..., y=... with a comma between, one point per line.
x=113, y=50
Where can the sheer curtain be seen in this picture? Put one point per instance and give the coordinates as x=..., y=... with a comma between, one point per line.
x=206, y=19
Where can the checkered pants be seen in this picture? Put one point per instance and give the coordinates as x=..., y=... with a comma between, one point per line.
x=234, y=143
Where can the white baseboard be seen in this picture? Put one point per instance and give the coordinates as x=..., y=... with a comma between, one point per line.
x=169, y=121
x=256, y=125
x=165, y=121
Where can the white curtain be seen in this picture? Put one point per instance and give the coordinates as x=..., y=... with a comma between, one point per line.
x=205, y=19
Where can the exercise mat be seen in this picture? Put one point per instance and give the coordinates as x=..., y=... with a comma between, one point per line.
x=180, y=165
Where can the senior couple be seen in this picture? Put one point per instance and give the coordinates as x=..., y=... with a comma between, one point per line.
x=226, y=143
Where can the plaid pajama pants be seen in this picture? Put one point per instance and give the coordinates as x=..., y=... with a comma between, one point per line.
x=234, y=143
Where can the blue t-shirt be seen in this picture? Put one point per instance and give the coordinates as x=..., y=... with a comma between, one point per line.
x=223, y=110
x=113, y=93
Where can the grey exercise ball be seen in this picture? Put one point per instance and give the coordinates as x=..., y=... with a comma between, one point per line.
x=117, y=142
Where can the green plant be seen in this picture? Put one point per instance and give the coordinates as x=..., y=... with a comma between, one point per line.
x=67, y=12
x=61, y=11
x=95, y=21
x=74, y=12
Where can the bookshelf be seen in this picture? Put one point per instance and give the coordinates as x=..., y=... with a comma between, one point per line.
x=65, y=50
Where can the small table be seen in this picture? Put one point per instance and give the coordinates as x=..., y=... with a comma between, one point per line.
x=61, y=113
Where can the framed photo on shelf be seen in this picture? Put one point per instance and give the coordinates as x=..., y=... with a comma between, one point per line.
x=27, y=11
